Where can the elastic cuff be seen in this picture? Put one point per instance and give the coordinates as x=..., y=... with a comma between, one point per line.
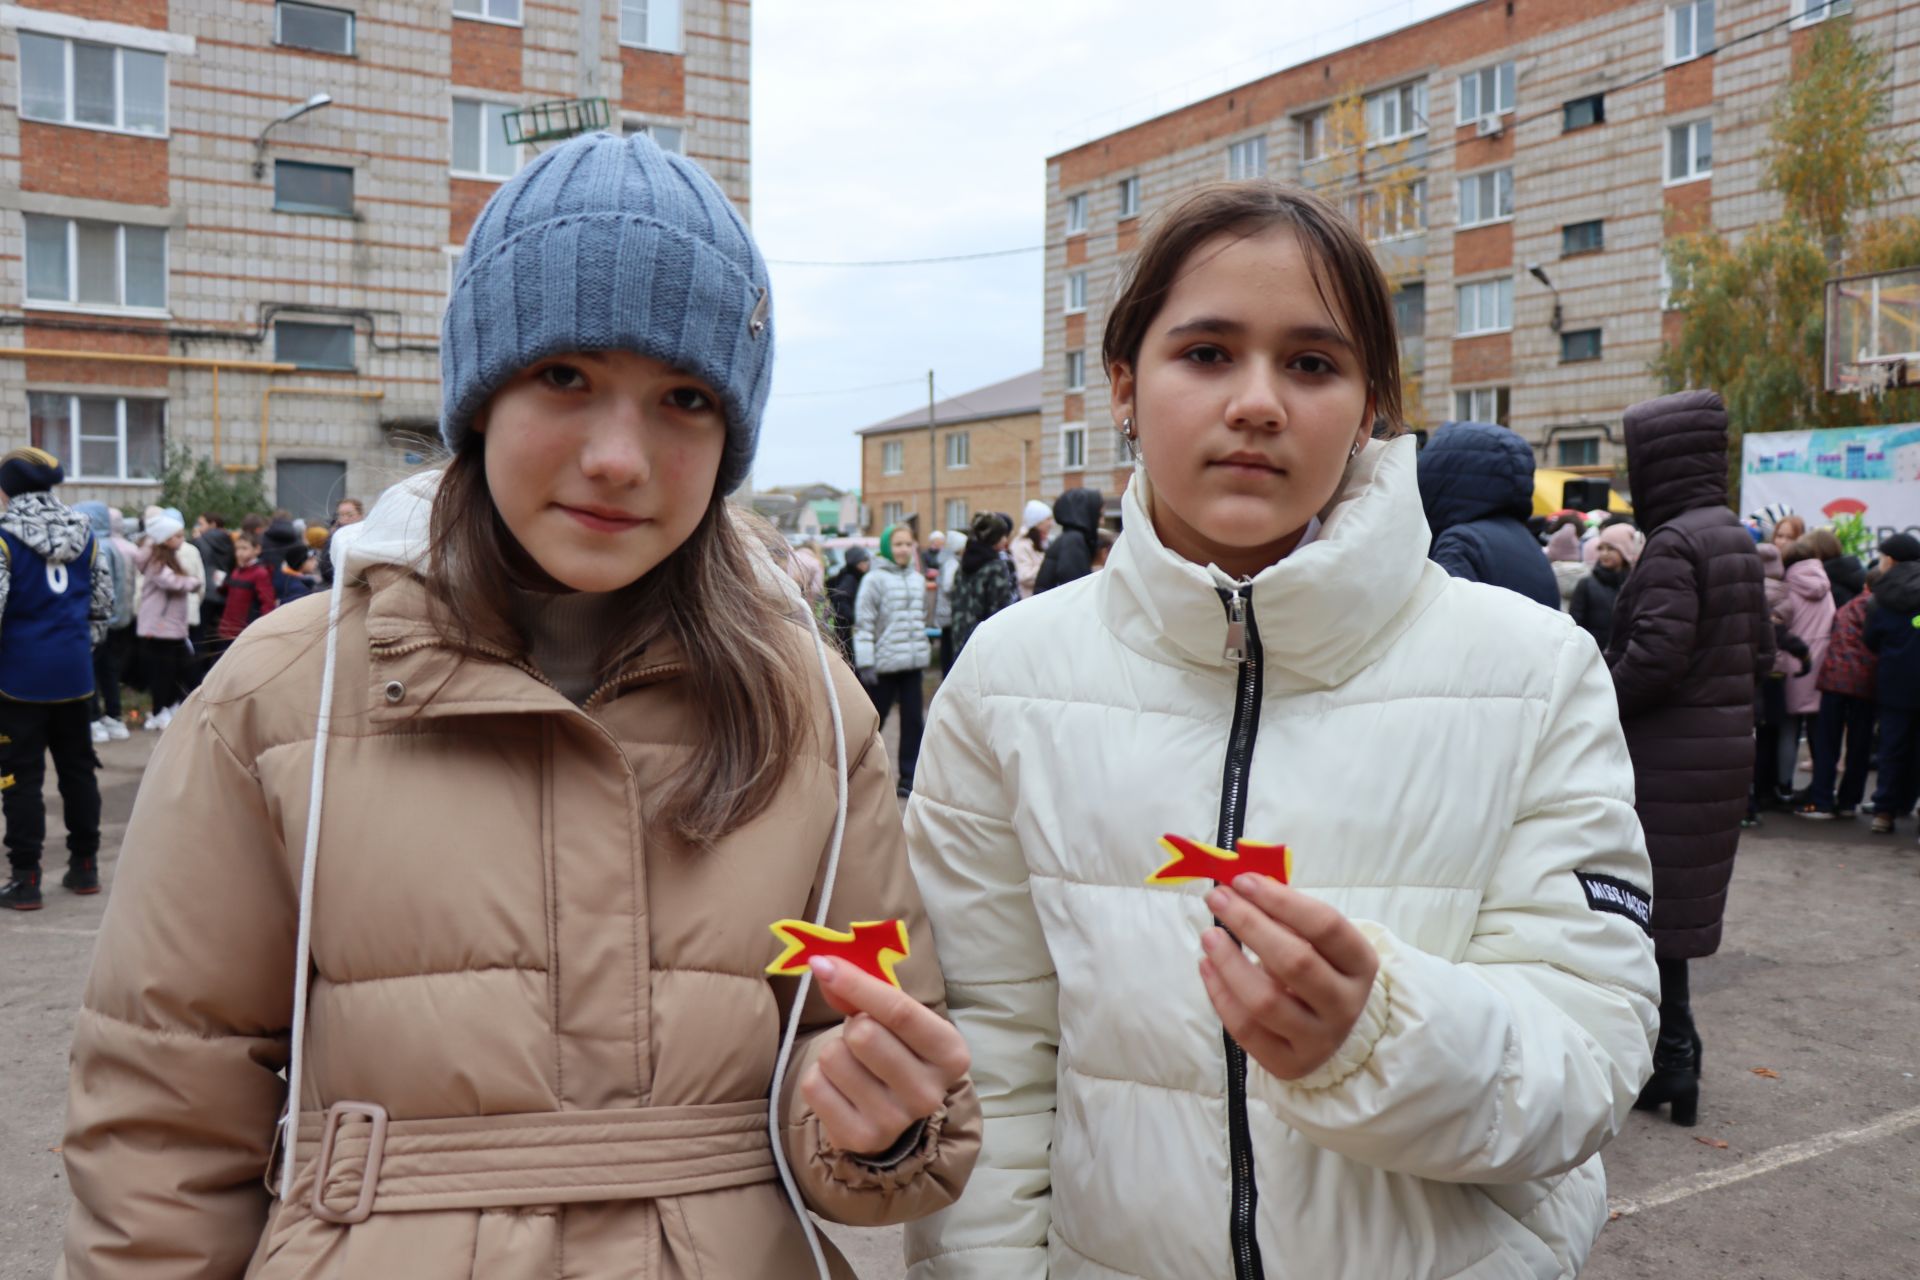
x=891, y=1169
x=905, y=1145
x=1375, y=1018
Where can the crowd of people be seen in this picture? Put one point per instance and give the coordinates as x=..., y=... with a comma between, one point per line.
x=625, y=745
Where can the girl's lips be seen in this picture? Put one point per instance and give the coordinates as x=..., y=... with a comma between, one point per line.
x=600, y=523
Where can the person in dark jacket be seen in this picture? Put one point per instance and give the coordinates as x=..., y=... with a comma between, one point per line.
x=1690, y=632
x=1846, y=684
x=1893, y=632
x=299, y=574
x=215, y=545
x=842, y=590
x=1076, y=536
x=1476, y=482
x=1592, y=605
x=985, y=583
x=1848, y=576
x=279, y=538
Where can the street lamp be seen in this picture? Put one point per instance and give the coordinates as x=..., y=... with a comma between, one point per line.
x=314, y=103
x=1535, y=270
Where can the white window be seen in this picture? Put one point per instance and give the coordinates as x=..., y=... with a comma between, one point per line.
x=1076, y=215
x=1247, y=158
x=480, y=147
x=959, y=451
x=1076, y=371
x=313, y=346
x=101, y=86
x=1397, y=113
x=96, y=264
x=1689, y=151
x=1404, y=211
x=893, y=457
x=1481, y=404
x=1805, y=11
x=1689, y=30
x=1486, y=306
x=956, y=513
x=1313, y=136
x=312, y=188
x=492, y=10
x=1486, y=93
x=1486, y=197
x=668, y=137
x=100, y=437
x=1129, y=198
x=312, y=26
x=1073, y=446
x=892, y=513
x=1076, y=291
x=651, y=24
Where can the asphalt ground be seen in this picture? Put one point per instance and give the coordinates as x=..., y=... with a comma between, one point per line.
x=1805, y=1164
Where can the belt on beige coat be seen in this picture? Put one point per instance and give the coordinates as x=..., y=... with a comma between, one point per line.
x=368, y=1163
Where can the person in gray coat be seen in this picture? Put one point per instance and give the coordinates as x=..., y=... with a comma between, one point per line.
x=890, y=650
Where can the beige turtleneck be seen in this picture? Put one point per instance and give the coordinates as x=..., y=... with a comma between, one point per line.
x=565, y=633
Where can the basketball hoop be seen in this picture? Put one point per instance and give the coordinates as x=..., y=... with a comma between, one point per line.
x=1873, y=377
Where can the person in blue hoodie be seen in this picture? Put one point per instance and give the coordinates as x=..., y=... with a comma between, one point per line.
x=1476, y=483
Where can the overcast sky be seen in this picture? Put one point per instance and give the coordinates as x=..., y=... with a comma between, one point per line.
x=889, y=130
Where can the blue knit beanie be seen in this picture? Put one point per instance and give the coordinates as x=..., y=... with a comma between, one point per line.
x=608, y=243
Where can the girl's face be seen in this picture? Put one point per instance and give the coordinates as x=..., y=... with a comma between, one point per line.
x=602, y=463
x=1247, y=398
x=904, y=547
x=1610, y=557
x=175, y=542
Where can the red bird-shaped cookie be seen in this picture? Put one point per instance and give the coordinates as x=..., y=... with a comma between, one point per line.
x=874, y=946
x=1192, y=860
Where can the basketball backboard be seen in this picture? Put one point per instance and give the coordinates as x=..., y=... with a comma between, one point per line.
x=1873, y=331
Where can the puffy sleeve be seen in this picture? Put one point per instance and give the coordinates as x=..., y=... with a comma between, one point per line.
x=1653, y=641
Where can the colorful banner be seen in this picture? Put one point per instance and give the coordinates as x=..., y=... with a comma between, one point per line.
x=1872, y=472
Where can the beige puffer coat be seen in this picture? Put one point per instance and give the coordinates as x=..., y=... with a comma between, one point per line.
x=561, y=1011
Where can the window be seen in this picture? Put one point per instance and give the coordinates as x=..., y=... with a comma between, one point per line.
x=1129, y=198
x=893, y=457
x=1076, y=292
x=480, y=147
x=959, y=451
x=1486, y=197
x=100, y=437
x=1482, y=404
x=956, y=513
x=309, y=26
x=96, y=264
x=101, y=86
x=668, y=137
x=1577, y=453
x=1689, y=151
x=1397, y=113
x=1313, y=136
x=652, y=24
x=1577, y=345
x=1805, y=11
x=1410, y=309
x=313, y=346
x=1486, y=93
x=1582, y=237
x=892, y=513
x=1076, y=371
x=1666, y=284
x=1486, y=306
x=1582, y=113
x=1247, y=158
x=492, y=10
x=312, y=188
x=1076, y=215
x=1404, y=211
x=1073, y=446
x=1689, y=30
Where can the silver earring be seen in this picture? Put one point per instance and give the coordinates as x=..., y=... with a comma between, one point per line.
x=1132, y=438
x=1355, y=451
x=1126, y=428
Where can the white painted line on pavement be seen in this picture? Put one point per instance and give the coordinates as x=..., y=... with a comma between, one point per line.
x=57, y=930
x=1766, y=1162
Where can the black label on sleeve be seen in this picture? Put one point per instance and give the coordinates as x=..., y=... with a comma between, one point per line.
x=1604, y=893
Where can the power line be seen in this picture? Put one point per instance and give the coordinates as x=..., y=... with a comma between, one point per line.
x=907, y=262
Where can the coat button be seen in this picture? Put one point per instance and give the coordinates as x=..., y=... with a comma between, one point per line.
x=395, y=691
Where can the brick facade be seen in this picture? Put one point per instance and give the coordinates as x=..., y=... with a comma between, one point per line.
x=234, y=262
x=1002, y=447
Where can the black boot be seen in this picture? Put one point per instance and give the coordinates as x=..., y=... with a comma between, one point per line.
x=1676, y=1079
x=22, y=893
x=83, y=876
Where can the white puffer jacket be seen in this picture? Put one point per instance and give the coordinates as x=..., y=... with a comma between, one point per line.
x=890, y=620
x=1446, y=762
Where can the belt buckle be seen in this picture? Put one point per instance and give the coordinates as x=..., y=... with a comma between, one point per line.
x=369, y=1179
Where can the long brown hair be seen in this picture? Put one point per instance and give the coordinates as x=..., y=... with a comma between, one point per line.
x=748, y=682
x=1345, y=273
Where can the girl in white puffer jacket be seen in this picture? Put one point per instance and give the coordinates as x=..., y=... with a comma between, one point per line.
x=1399, y=1066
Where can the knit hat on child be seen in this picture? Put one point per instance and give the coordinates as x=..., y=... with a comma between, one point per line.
x=29, y=470
x=605, y=244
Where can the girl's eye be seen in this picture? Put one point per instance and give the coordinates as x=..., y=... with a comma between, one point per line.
x=690, y=399
x=1206, y=355
x=1318, y=365
x=563, y=377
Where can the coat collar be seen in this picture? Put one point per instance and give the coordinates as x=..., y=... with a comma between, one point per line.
x=1324, y=613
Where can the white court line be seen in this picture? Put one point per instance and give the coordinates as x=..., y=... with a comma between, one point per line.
x=1766, y=1162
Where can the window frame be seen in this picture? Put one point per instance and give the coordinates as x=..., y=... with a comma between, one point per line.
x=1599, y=345
x=1599, y=112
x=1075, y=378
x=1690, y=129
x=1077, y=215
x=1463, y=405
x=72, y=301
x=1804, y=11
x=1313, y=137
x=1396, y=296
x=353, y=351
x=1506, y=77
x=353, y=28
x=1129, y=198
x=1459, y=193
x=1253, y=145
x=69, y=89
x=519, y=6
x=965, y=517
x=958, y=444
x=313, y=210
x=892, y=513
x=77, y=455
x=1560, y=444
x=893, y=457
x=630, y=126
x=1459, y=306
x=453, y=142
x=1076, y=283
x=1600, y=238
x=678, y=43
x=1692, y=9
x=1073, y=437
x=1398, y=94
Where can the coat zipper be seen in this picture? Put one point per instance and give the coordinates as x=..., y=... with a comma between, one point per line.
x=1243, y=648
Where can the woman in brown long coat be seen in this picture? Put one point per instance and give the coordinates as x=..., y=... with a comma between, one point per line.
x=1690, y=635
x=500, y=828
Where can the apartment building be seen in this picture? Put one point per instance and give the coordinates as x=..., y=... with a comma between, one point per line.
x=984, y=455
x=232, y=224
x=1523, y=162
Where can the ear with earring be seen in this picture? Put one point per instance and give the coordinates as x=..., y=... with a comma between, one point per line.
x=1131, y=436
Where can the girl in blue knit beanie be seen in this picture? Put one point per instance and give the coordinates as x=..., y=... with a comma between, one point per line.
x=521, y=824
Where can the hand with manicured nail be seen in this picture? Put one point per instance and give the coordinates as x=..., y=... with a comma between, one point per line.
x=1293, y=1009
x=893, y=1063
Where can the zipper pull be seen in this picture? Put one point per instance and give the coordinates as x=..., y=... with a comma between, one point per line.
x=1236, y=650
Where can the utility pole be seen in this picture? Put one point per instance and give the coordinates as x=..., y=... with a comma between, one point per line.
x=933, y=469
